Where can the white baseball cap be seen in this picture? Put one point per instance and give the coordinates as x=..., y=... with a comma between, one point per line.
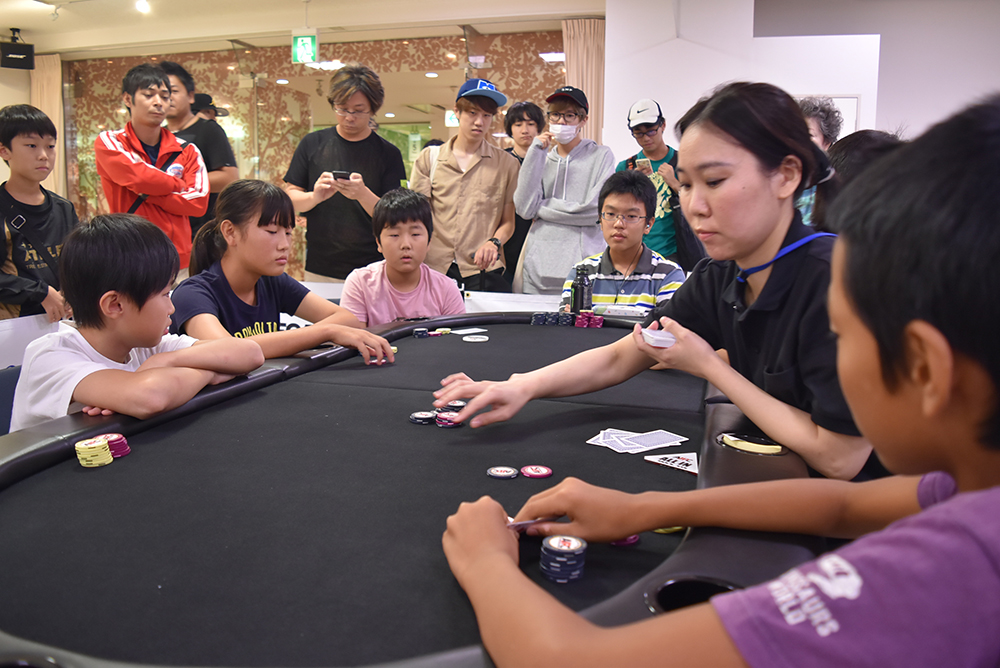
x=644, y=112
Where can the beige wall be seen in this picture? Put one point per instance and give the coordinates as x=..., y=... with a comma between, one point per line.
x=15, y=88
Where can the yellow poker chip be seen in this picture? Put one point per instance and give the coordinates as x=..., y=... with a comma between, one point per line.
x=745, y=444
x=669, y=529
x=443, y=330
x=394, y=350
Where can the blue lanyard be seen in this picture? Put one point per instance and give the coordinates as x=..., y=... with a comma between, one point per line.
x=742, y=276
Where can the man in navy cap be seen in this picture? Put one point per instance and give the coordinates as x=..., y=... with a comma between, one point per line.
x=470, y=183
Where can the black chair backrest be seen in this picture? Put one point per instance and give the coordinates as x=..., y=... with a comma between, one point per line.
x=8, y=381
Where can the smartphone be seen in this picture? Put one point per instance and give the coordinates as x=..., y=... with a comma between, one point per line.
x=644, y=162
x=338, y=174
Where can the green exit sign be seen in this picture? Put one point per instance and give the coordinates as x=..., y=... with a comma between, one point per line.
x=304, y=47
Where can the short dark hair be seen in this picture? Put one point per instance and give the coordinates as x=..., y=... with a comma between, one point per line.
x=399, y=206
x=761, y=118
x=826, y=113
x=564, y=103
x=630, y=182
x=240, y=202
x=921, y=235
x=523, y=111
x=118, y=251
x=356, y=78
x=178, y=71
x=23, y=119
x=472, y=102
x=144, y=76
x=852, y=154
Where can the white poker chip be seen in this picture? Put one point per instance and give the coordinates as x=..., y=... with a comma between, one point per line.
x=502, y=472
x=476, y=338
x=568, y=544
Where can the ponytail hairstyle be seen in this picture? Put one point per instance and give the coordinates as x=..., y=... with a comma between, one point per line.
x=241, y=202
x=768, y=122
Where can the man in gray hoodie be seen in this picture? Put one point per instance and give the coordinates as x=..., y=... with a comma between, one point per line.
x=558, y=186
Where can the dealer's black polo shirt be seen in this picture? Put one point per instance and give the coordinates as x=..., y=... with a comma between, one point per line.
x=782, y=342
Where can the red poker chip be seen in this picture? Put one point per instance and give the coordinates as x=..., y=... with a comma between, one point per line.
x=536, y=471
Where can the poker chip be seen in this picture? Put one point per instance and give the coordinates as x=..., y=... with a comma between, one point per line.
x=538, y=318
x=669, y=529
x=447, y=419
x=456, y=405
x=596, y=321
x=434, y=334
x=423, y=417
x=93, y=452
x=536, y=471
x=565, y=320
x=551, y=319
x=624, y=542
x=475, y=338
x=562, y=558
x=505, y=472
x=582, y=320
x=393, y=349
x=117, y=445
x=443, y=330
x=421, y=333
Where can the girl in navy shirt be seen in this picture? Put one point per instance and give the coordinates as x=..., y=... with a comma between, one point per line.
x=238, y=284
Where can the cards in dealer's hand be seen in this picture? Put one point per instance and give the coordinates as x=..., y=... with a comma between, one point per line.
x=633, y=443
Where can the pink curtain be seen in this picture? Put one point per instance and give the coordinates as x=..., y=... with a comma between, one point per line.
x=583, y=43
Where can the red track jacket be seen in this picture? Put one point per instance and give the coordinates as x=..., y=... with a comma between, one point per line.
x=174, y=195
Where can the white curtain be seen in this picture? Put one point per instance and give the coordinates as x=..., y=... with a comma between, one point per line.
x=46, y=94
x=583, y=43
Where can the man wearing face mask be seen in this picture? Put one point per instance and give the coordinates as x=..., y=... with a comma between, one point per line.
x=558, y=186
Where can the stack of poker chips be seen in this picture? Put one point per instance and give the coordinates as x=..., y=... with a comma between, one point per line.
x=93, y=452
x=561, y=319
x=447, y=419
x=116, y=444
x=562, y=558
x=588, y=319
x=421, y=333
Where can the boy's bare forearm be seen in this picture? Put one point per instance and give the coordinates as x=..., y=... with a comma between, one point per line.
x=229, y=355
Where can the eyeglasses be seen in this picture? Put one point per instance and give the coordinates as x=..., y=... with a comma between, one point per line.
x=630, y=219
x=352, y=114
x=569, y=116
x=648, y=133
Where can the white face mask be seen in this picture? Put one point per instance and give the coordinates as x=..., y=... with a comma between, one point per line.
x=563, y=134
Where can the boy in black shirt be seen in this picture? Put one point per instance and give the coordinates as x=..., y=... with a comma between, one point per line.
x=207, y=135
x=35, y=221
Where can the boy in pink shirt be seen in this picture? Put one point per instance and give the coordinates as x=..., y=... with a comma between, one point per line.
x=401, y=286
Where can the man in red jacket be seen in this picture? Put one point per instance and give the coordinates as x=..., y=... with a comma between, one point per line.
x=148, y=171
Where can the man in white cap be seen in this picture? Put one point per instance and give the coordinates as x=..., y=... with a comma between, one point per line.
x=470, y=184
x=657, y=161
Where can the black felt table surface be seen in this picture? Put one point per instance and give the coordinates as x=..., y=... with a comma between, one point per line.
x=300, y=525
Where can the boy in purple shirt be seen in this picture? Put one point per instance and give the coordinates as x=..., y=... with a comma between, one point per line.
x=401, y=286
x=913, y=303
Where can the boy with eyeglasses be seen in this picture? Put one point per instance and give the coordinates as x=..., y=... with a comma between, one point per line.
x=628, y=272
x=338, y=207
x=558, y=188
x=657, y=161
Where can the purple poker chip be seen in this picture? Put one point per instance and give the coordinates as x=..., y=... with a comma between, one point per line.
x=630, y=540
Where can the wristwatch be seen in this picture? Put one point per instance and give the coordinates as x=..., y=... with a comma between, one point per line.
x=496, y=242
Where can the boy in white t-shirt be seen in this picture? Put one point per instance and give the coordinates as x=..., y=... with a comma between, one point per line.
x=401, y=286
x=117, y=357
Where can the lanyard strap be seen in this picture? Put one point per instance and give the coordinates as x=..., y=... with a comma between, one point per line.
x=742, y=276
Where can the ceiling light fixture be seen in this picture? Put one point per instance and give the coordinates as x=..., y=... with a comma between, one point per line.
x=450, y=55
x=431, y=75
x=553, y=57
x=281, y=82
x=142, y=6
x=389, y=114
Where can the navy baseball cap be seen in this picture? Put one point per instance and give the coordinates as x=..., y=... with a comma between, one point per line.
x=481, y=87
x=574, y=94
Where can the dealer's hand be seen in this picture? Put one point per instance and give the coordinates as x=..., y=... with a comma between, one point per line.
x=690, y=352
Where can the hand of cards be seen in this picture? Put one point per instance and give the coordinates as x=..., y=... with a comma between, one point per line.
x=633, y=443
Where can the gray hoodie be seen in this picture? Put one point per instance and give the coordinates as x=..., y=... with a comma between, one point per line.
x=560, y=194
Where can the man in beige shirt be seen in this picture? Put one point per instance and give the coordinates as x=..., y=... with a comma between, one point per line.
x=470, y=184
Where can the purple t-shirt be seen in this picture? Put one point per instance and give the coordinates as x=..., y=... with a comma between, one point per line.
x=923, y=592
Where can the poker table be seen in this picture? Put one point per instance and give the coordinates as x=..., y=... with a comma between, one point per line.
x=293, y=517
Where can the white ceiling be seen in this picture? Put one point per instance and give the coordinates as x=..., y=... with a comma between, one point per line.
x=106, y=28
